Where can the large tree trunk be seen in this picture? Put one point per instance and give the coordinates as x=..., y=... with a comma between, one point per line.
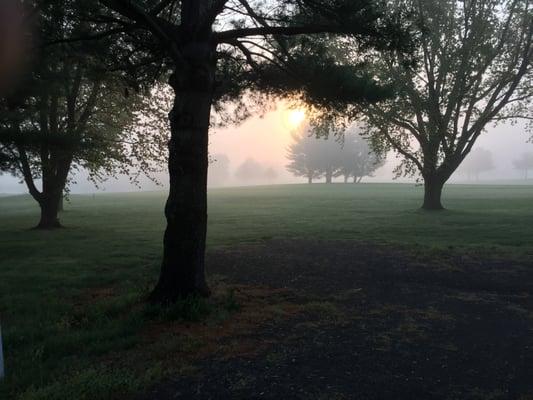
x=309, y=179
x=49, y=211
x=51, y=199
x=432, y=193
x=182, y=271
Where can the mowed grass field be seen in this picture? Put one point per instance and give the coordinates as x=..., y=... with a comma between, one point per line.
x=71, y=307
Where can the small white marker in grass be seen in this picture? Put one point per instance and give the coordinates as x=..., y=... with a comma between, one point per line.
x=1, y=357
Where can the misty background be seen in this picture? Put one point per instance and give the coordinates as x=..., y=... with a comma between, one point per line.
x=255, y=153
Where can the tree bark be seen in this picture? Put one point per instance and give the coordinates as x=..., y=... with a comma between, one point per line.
x=49, y=211
x=433, y=186
x=51, y=199
x=183, y=270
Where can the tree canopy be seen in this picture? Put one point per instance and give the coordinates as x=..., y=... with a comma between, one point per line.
x=315, y=157
x=524, y=163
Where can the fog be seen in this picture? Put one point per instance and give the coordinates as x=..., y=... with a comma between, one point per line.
x=254, y=153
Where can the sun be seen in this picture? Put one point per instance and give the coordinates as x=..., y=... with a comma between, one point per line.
x=296, y=117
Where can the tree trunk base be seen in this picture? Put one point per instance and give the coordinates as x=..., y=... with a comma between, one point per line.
x=166, y=296
x=49, y=225
x=433, y=194
x=432, y=207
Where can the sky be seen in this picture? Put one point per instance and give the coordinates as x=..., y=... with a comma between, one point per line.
x=265, y=140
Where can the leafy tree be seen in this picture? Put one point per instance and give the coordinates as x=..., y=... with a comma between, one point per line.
x=478, y=161
x=329, y=157
x=356, y=159
x=314, y=157
x=524, y=163
x=270, y=174
x=303, y=155
x=250, y=171
x=215, y=50
x=70, y=113
x=475, y=68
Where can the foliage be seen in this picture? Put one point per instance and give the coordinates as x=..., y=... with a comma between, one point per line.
x=314, y=157
x=524, y=163
x=262, y=49
x=253, y=171
x=304, y=154
x=357, y=159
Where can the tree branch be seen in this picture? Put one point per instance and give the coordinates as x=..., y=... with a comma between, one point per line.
x=225, y=36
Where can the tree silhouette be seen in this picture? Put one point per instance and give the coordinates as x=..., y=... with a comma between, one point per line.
x=524, y=163
x=357, y=160
x=314, y=157
x=215, y=50
x=475, y=67
x=70, y=112
x=250, y=171
x=303, y=155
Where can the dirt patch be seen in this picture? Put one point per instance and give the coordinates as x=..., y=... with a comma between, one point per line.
x=231, y=335
x=337, y=319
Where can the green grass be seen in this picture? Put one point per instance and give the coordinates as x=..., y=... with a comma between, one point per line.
x=71, y=300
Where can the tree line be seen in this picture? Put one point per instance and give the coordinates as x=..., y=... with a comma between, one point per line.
x=314, y=157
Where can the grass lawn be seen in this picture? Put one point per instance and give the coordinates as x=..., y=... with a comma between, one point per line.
x=71, y=308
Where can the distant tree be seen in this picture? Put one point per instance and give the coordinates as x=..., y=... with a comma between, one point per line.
x=250, y=170
x=475, y=68
x=524, y=163
x=314, y=157
x=218, y=173
x=303, y=156
x=356, y=159
x=478, y=161
x=270, y=174
x=329, y=157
